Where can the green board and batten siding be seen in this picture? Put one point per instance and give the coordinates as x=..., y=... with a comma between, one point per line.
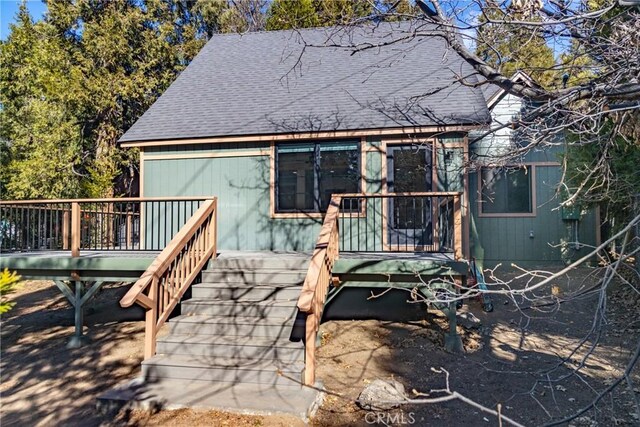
x=241, y=184
x=242, y=187
x=507, y=239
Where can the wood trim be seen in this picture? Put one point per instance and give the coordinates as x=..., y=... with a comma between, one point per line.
x=415, y=194
x=297, y=215
x=108, y=200
x=363, y=164
x=457, y=229
x=311, y=215
x=409, y=130
x=426, y=138
x=209, y=155
x=410, y=141
x=515, y=165
x=384, y=187
x=272, y=180
x=75, y=229
x=384, y=190
x=466, y=200
x=141, y=179
x=534, y=201
x=543, y=163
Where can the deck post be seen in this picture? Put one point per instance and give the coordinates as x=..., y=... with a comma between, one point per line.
x=75, y=229
x=457, y=228
x=66, y=218
x=151, y=318
x=310, y=350
x=78, y=340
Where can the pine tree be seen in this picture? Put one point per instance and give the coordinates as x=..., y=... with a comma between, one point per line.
x=38, y=129
x=510, y=48
x=288, y=14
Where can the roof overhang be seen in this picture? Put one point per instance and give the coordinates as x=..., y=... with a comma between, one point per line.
x=519, y=76
x=410, y=130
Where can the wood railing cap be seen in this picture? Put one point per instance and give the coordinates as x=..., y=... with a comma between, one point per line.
x=164, y=259
x=108, y=200
x=410, y=194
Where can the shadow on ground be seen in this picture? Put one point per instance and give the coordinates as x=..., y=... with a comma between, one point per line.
x=512, y=358
x=43, y=382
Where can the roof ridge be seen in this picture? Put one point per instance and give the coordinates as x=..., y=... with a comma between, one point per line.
x=338, y=26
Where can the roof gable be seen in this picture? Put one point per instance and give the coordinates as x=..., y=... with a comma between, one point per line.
x=284, y=82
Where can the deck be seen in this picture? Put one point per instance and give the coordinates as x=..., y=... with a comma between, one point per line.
x=163, y=245
x=125, y=266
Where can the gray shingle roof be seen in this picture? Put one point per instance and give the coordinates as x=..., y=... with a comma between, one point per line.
x=269, y=82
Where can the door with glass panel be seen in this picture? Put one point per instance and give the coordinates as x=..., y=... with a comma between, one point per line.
x=409, y=219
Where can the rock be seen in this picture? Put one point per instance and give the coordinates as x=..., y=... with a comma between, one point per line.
x=381, y=395
x=468, y=320
x=583, y=422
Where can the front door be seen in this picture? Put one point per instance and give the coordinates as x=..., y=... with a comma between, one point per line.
x=409, y=170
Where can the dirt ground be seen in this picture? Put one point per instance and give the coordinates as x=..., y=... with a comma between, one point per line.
x=512, y=357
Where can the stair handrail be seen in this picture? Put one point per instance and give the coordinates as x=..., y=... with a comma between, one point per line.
x=316, y=283
x=173, y=270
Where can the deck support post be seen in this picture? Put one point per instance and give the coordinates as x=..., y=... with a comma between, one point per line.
x=150, y=322
x=78, y=340
x=310, y=350
x=78, y=299
x=452, y=341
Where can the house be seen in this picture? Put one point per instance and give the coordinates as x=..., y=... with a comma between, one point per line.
x=273, y=123
x=279, y=172
x=515, y=198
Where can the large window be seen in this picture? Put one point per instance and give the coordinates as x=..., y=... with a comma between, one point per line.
x=507, y=191
x=307, y=174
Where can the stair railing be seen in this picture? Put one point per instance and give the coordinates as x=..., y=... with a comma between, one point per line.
x=316, y=284
x=174, y=270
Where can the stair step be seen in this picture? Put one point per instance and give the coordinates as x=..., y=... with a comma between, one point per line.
x=230, y=326
x=247, y=262
x=252, y=398
x=231, y=347
x=239, y=291
x=276, y=309
x=260, y=276
x=221, y=370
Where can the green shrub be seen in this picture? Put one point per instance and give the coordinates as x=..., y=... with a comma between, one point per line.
x=8, y=284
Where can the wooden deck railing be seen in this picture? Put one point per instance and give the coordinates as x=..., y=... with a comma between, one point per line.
x=115, y=224
x=316, y=284
x=367, y=218
x=166, y=280
x=401, y=222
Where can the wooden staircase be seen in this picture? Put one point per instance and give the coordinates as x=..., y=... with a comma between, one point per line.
x=235, y=328
x=229, y=347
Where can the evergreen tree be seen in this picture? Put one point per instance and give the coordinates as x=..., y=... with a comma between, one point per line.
x=288, y=14
x=71, y=84
x=510, y=48
x=38, y=129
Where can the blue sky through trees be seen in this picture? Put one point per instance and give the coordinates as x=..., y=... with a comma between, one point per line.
x=9, y=9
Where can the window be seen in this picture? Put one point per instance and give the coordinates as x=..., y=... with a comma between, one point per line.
x=307, y=174
x=507, y=191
